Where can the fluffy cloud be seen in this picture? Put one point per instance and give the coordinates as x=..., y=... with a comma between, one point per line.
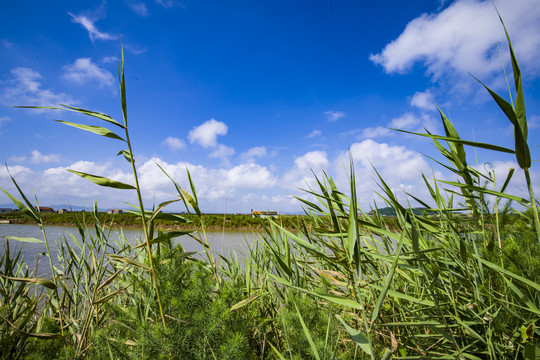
x=15, y=171
x=207, y=133
x=39, y=158
x=222, y=152
x=84, y=70
x=301, y=174
x=247, y=185
x=174, y=143
x=250, y=176
x=423, y=101
x=396, y=162
x=399, y=167
x=463, y=39
x=408, y=121
x=334, y=115
x=138, y=8
x=373, y=132
x=24, y=88
x=109, y=59
x=168, y=3
x=253, y=153
x=93, y=31
x=314, y=133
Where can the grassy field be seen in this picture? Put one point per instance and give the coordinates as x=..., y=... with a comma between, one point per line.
x=336, y=283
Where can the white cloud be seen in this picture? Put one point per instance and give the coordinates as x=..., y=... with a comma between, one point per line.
x=135, y=49
x=222, y=152
x=334, y=115
x=254, y=152
x=93, y=32
x=399, y=167
x=393, y=161
x=407, y=121
x=24, y=88
x=84, y=70
x=15, y=171
x=109, y=59
x=174, y=143
x=138, y=8
x=300, y=175
x=373, y=132
x=207, y=133
x=39, y=158
x=249, y=176
x=169, y=3
x=312, y=159
x=17, y=158
x=314, y=133
x=212, y=183
x=463, y=39
x=423, y=101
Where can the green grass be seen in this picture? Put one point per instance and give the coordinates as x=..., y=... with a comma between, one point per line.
x=336, y=283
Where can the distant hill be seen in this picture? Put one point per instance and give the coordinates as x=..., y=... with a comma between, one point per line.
x=388, y=211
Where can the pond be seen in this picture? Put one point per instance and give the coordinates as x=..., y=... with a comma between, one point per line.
x=34, y=253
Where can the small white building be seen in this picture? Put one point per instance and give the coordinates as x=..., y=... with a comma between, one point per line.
x=263, y=214
x=115, y=211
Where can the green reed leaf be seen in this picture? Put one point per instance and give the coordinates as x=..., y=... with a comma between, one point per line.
x=461, y=141
x=403, y=296
x=103, y=181
x=93, y=129
x=122, y=83
x=339, y=300
x=524, y=298
x=111, y=295
x=520, y=101
x=32, y=280
x=128, y=261
x=25, y=239
x=166, y=236
x=307, y=334
x=26, y=210
x=523, y=155
x=508, y=177
x=360, y=339
x=451, y=132
x=93, y=114
x=486, y=191
x=503, y=271
x=244, y=302
x=388, y=280
x=276, y=351
x=74, y=109
x=126, y=154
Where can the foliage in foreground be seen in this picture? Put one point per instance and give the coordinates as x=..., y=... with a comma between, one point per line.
x=340, y=285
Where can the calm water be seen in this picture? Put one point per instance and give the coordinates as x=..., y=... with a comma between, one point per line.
x=33, y=254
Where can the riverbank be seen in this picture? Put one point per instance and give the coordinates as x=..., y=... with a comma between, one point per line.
x=212, y=222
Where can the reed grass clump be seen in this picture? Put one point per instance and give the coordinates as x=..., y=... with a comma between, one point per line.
x=459, y=280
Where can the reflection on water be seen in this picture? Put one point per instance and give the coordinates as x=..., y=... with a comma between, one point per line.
x=34, y=253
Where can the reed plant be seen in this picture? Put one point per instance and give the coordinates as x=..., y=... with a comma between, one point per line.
x=458, y=281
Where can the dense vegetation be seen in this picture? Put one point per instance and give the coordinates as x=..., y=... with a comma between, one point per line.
x=340, y=286
x=212, y=221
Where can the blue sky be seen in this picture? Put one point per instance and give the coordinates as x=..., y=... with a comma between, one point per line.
x=252, y=96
